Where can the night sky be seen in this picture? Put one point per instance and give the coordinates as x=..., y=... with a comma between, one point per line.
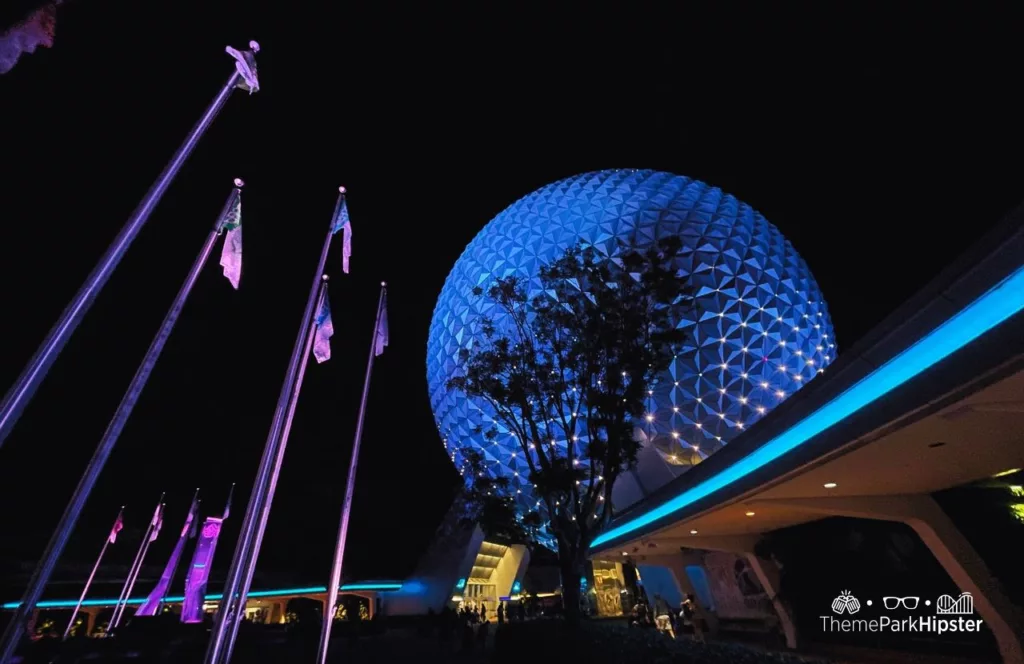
x=881, y=145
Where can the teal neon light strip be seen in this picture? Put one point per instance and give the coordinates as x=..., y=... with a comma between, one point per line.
x=70, y=603
x=985, y=313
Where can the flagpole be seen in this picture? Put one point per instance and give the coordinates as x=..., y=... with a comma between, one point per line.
x=55, y=547
x=216, y=649
x=155, y=599
x=115, y=620
x=92, y=574
x=250, y=566
x=24, y=388
x=350, y=484
x=135, y=563
x=177, y=563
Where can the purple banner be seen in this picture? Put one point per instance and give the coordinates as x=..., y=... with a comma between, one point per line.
x=152, y=603
x=199, y=571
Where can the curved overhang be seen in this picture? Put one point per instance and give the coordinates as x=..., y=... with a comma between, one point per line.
x=956, y=347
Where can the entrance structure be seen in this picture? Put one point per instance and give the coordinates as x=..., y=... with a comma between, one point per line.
x=933, y=398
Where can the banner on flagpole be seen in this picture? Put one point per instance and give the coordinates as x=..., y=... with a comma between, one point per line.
x=199, y=571
x=118, y=527
x=231, y=227
x=382, y=329
x=156, y=596
x=324, y=332
x=344, y=224
x=157, y=523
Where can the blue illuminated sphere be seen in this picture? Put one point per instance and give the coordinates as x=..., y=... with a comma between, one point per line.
x=760, y=329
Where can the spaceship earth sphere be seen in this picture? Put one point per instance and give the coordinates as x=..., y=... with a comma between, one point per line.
x=759, y=331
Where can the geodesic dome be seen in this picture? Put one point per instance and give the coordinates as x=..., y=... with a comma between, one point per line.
x=760, y=329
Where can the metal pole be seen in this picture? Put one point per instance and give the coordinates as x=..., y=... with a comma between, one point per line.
x=60, y=536
x=151, y=605
x=350, y=484
x=115, y=620
x=177, y=561
x=250, y=567
x=32, y=375
x=135, y=563
x=88, y=582
x=232, y=585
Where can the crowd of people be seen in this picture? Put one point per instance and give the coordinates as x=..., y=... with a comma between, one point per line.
x=684, y=620
x=472, y=622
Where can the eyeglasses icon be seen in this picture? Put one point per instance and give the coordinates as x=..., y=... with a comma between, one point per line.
x=909, y=603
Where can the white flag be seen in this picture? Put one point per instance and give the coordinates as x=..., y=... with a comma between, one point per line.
x=231, y=253
x=156, y=523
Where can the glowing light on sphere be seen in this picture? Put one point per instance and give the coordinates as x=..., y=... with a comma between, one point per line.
x=760, y=329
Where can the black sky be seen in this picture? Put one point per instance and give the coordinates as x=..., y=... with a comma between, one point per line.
x=881, y=142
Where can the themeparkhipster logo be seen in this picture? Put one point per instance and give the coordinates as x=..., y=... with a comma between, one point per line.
x=950, y=615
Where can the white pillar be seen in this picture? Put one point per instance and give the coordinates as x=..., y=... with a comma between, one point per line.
x=956, y=555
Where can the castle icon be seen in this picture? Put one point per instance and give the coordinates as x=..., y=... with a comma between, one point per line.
x=962, y=606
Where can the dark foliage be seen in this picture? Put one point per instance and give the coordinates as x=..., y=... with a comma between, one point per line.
x=567, y=373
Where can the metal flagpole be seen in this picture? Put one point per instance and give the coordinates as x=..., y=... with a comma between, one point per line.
x=24, y=388
x=350, y=483
x=115, y=620
x=156, y=596
x=193, y=527
x=135, y=563
x=250, y=565
x=60, y=536
x=218, y=639
x=92, y=574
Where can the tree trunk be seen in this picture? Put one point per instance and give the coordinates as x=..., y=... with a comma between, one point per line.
x=573, y=567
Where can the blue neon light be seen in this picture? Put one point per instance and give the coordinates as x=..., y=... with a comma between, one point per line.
x=1000, y=303
x=516, y=587
x=461, y=584
x=70, y=603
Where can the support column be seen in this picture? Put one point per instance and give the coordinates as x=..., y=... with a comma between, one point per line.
x=676, y=564
x=956, y=555
x=766, y=571
x=768, y=574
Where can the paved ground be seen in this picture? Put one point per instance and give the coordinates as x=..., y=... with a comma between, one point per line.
x=401, y=647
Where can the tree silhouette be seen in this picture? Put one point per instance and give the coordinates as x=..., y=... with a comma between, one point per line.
x=567, y=372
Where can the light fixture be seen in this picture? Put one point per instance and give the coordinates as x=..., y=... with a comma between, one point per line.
x=693, y=532
x=750, y=513
x=830, y=485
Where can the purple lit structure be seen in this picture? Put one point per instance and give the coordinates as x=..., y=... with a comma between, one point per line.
x=199, y=571
x=156, y=596
x=44, y=568
x=250, y=566
x=152, y=532
x=243, y=563
x=111, y=538
x=377, y=344
x=24, y=388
